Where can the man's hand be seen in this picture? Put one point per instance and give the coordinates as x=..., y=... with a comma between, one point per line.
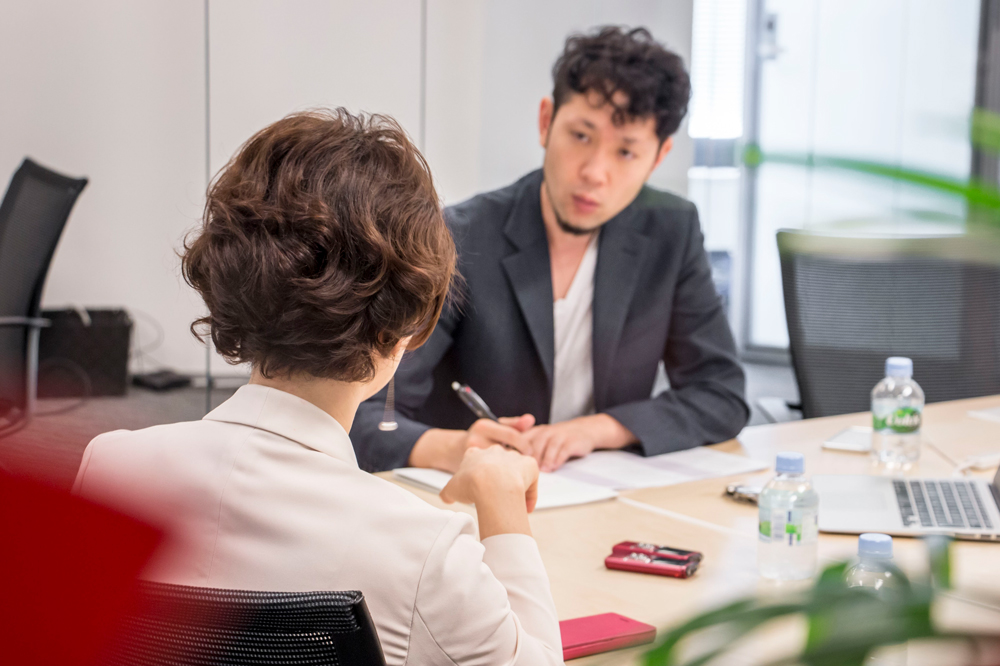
x=445, y=449
x=502, y=483
x=553, y=445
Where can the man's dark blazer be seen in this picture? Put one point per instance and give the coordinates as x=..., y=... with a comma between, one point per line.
x=653, y=300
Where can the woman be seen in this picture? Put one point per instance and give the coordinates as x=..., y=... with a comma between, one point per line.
x=322, y=257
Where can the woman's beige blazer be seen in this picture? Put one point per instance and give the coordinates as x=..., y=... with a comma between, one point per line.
x=265, y=493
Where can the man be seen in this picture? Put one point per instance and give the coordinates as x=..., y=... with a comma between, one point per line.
x=579, y=280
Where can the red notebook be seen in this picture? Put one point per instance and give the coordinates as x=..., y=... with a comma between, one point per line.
x=600, y=633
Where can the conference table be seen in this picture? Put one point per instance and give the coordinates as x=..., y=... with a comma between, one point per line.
x=697, y=516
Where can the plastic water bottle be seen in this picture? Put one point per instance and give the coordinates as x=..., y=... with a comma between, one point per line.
x=874, y=569
x=897, y=414
x=875, y=572
x=787, y=533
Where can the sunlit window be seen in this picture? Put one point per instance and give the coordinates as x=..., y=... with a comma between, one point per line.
x=717, y=55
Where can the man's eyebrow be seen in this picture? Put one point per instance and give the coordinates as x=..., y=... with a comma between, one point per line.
x=588, y=124
x=629, y=139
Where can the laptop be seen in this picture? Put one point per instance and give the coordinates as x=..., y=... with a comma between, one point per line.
x=961, y=508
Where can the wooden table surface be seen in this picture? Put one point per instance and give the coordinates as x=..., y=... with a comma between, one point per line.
x=575, y=540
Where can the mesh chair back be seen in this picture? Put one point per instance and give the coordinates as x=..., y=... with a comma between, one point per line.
x=852, y=302
x=177, y=625
x=32, y=216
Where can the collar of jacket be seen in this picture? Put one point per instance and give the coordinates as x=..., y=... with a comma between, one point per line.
x=287, y=416
x=620, y=255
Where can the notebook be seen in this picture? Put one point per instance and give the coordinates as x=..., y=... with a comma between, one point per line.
x=553, y=491
x=584, y=636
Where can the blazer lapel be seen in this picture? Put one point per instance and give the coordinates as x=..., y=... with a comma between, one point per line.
x=529, y=272
x=620, y=257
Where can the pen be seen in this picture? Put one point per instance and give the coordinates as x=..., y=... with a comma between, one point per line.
x=477, y=406
x=472, y=400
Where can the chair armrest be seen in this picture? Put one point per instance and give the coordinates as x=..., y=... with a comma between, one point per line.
x=777, y=410
x=31, y=322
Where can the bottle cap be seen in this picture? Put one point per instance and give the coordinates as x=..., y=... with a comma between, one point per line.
x=898, y=366
x=874, y=545
x=790, y=463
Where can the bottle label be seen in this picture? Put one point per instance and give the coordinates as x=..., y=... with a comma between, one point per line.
x=903, y=420
x=792, y=528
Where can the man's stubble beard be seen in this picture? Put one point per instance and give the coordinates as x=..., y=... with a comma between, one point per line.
x=563, y=224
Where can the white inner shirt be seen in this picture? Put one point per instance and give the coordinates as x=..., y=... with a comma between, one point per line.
x=573, y=316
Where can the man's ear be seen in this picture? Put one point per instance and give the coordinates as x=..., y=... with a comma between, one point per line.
x=545, y=112
x=664, y=149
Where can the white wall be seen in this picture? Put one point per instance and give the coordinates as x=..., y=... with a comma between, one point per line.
x=115, y=90
x=272, y=57
x=456, y=30
x=269, y=58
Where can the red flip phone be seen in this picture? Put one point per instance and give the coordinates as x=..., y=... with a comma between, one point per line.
x=600, y=633
x=651, y=549
x=650, y=564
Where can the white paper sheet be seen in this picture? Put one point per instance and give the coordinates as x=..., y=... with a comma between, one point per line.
x=623, y=471
x=553, y=491
x=992, y=414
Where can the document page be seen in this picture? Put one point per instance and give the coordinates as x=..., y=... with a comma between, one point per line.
x=992, y=414
x=553, y=491
x=620, y=470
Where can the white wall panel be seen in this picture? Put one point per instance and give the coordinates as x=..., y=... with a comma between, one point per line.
x=455, y=97
x=272, y=57
x=113, y=90
x=269, y=58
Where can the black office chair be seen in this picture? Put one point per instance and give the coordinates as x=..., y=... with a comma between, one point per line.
x=32, y=216
x=177, y=625
x=852, y=302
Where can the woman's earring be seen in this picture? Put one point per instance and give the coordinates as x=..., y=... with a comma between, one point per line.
x=388, y=423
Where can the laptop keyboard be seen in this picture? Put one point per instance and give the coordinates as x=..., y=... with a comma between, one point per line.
x=940, y=503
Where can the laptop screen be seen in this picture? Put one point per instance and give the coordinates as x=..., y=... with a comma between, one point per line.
x=995, y=487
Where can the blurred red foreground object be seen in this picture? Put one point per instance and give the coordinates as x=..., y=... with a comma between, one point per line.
x=67, y=573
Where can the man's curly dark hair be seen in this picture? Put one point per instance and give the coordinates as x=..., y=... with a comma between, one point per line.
x=323, y=245
x=612, y=59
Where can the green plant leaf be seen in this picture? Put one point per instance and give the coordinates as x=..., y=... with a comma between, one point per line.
x=939, y=554
x=985, y=132
x=832, y=577
x=864, y=618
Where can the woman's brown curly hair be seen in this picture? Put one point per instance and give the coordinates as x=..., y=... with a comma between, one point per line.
x=322, y=244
